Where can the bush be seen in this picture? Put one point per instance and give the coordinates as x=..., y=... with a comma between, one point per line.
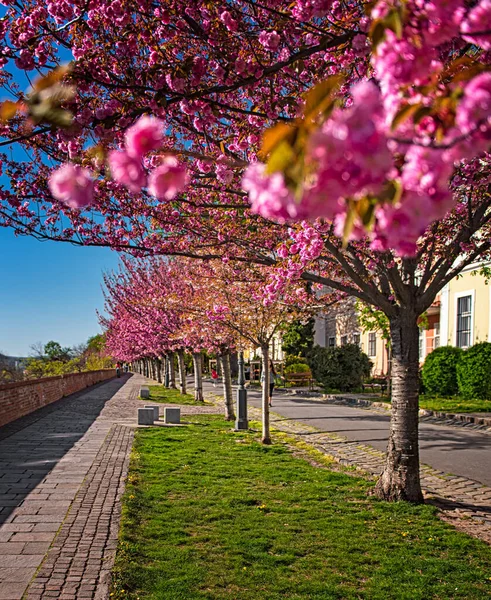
x=291, y=359
x=297, y=368
x=342, y=368
x=440, y=371
x=474, y=372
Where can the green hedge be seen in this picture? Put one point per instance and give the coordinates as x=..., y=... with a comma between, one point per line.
x=474, y=372
x=291, y=359
x=440, y=371
x=342, y=368
x=297, y=368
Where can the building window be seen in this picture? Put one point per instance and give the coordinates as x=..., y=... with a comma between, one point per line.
x=464, y=318
x=344, y=340
x=356, y=339
x=331, y=342
x=436, y=343
x=421, y=344
x=372, y=344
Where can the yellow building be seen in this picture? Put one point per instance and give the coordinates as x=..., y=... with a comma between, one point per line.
x=459, y=316
x=465, y=309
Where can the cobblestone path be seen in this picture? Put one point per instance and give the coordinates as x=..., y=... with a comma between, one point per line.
x=62, y=473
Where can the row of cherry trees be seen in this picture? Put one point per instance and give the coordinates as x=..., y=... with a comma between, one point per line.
x=342, y=143
x=158, y=308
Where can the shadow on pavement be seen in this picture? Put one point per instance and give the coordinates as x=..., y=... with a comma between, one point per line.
x=31, y=446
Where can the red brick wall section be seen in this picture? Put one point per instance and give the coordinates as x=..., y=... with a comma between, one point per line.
x=20, y=399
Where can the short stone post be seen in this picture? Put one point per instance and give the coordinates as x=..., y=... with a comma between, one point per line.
x=155, y=411
x=172, y=415
x=144, y=392
x=145, y=416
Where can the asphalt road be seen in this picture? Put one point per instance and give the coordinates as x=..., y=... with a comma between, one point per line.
x=453, y=450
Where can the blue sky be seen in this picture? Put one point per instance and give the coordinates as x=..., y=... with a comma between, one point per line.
x=48, y=291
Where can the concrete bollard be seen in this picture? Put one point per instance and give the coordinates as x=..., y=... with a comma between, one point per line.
x=145, y=416
x=144, y=392
x=172, y=415
x=155, y=411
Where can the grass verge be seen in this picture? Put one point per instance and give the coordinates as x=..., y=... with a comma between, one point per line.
x=454, y=405
x=449, y=405
x=212, y=514
x=159, y=393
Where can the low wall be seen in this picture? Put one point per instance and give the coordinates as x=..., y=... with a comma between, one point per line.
x=20, y=399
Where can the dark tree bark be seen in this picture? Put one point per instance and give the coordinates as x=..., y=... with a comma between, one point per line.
x=266, y=435
x=198, y=379
x=172, y=371
x=400, y=479
x=227, y=386
x=182, y=371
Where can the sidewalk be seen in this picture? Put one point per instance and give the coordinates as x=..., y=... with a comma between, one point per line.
x=62, y=472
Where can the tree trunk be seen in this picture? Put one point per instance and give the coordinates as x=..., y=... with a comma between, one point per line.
x=266, y=435
x=182, y=371
x=400, y=478
x=172, y=371
x=198, y=380
x=227, y=386
x=159, y=370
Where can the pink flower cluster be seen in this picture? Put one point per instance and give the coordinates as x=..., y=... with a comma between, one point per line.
x=477, y=25
x=269, y=195
x=73, y=185
x=270, y=40
x=351, y=153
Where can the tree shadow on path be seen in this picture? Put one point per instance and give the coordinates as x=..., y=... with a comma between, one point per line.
x=31, y=446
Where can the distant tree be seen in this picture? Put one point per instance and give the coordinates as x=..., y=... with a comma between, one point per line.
x=298, y=338
x=54, y=351
x=9, y=371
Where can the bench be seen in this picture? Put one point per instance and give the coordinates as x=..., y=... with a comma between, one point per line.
x=380, y=386
x=300, y=379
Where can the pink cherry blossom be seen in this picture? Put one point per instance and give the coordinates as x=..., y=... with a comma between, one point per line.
x=477, y=25
x=72, y=185
x=269, y=195
x=475, y=108
x=168, y=179
x=144, y=136
x=229, y=22
x=270, y=40
x=127, y=170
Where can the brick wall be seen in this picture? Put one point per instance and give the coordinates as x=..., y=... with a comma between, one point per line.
x=20, y=399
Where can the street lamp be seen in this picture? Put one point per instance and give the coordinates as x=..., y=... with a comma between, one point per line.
x=241, y=421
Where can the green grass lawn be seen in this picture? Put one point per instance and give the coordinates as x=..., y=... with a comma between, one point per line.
x=454, y=405
x=450, y=405
x=212, y=514
x=159, y=393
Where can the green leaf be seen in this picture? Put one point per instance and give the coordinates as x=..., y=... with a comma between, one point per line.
x=274, y=136
x=319, y=98
x=393, y=21
x=281, y=158
x=377, y=33
x=403, y=114
x=8, y=110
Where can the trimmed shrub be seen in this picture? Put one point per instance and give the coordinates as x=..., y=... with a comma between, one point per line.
x=297, y=368
x=440, y=371
x=342, y=368
x=291, y=359
x=474, y=372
